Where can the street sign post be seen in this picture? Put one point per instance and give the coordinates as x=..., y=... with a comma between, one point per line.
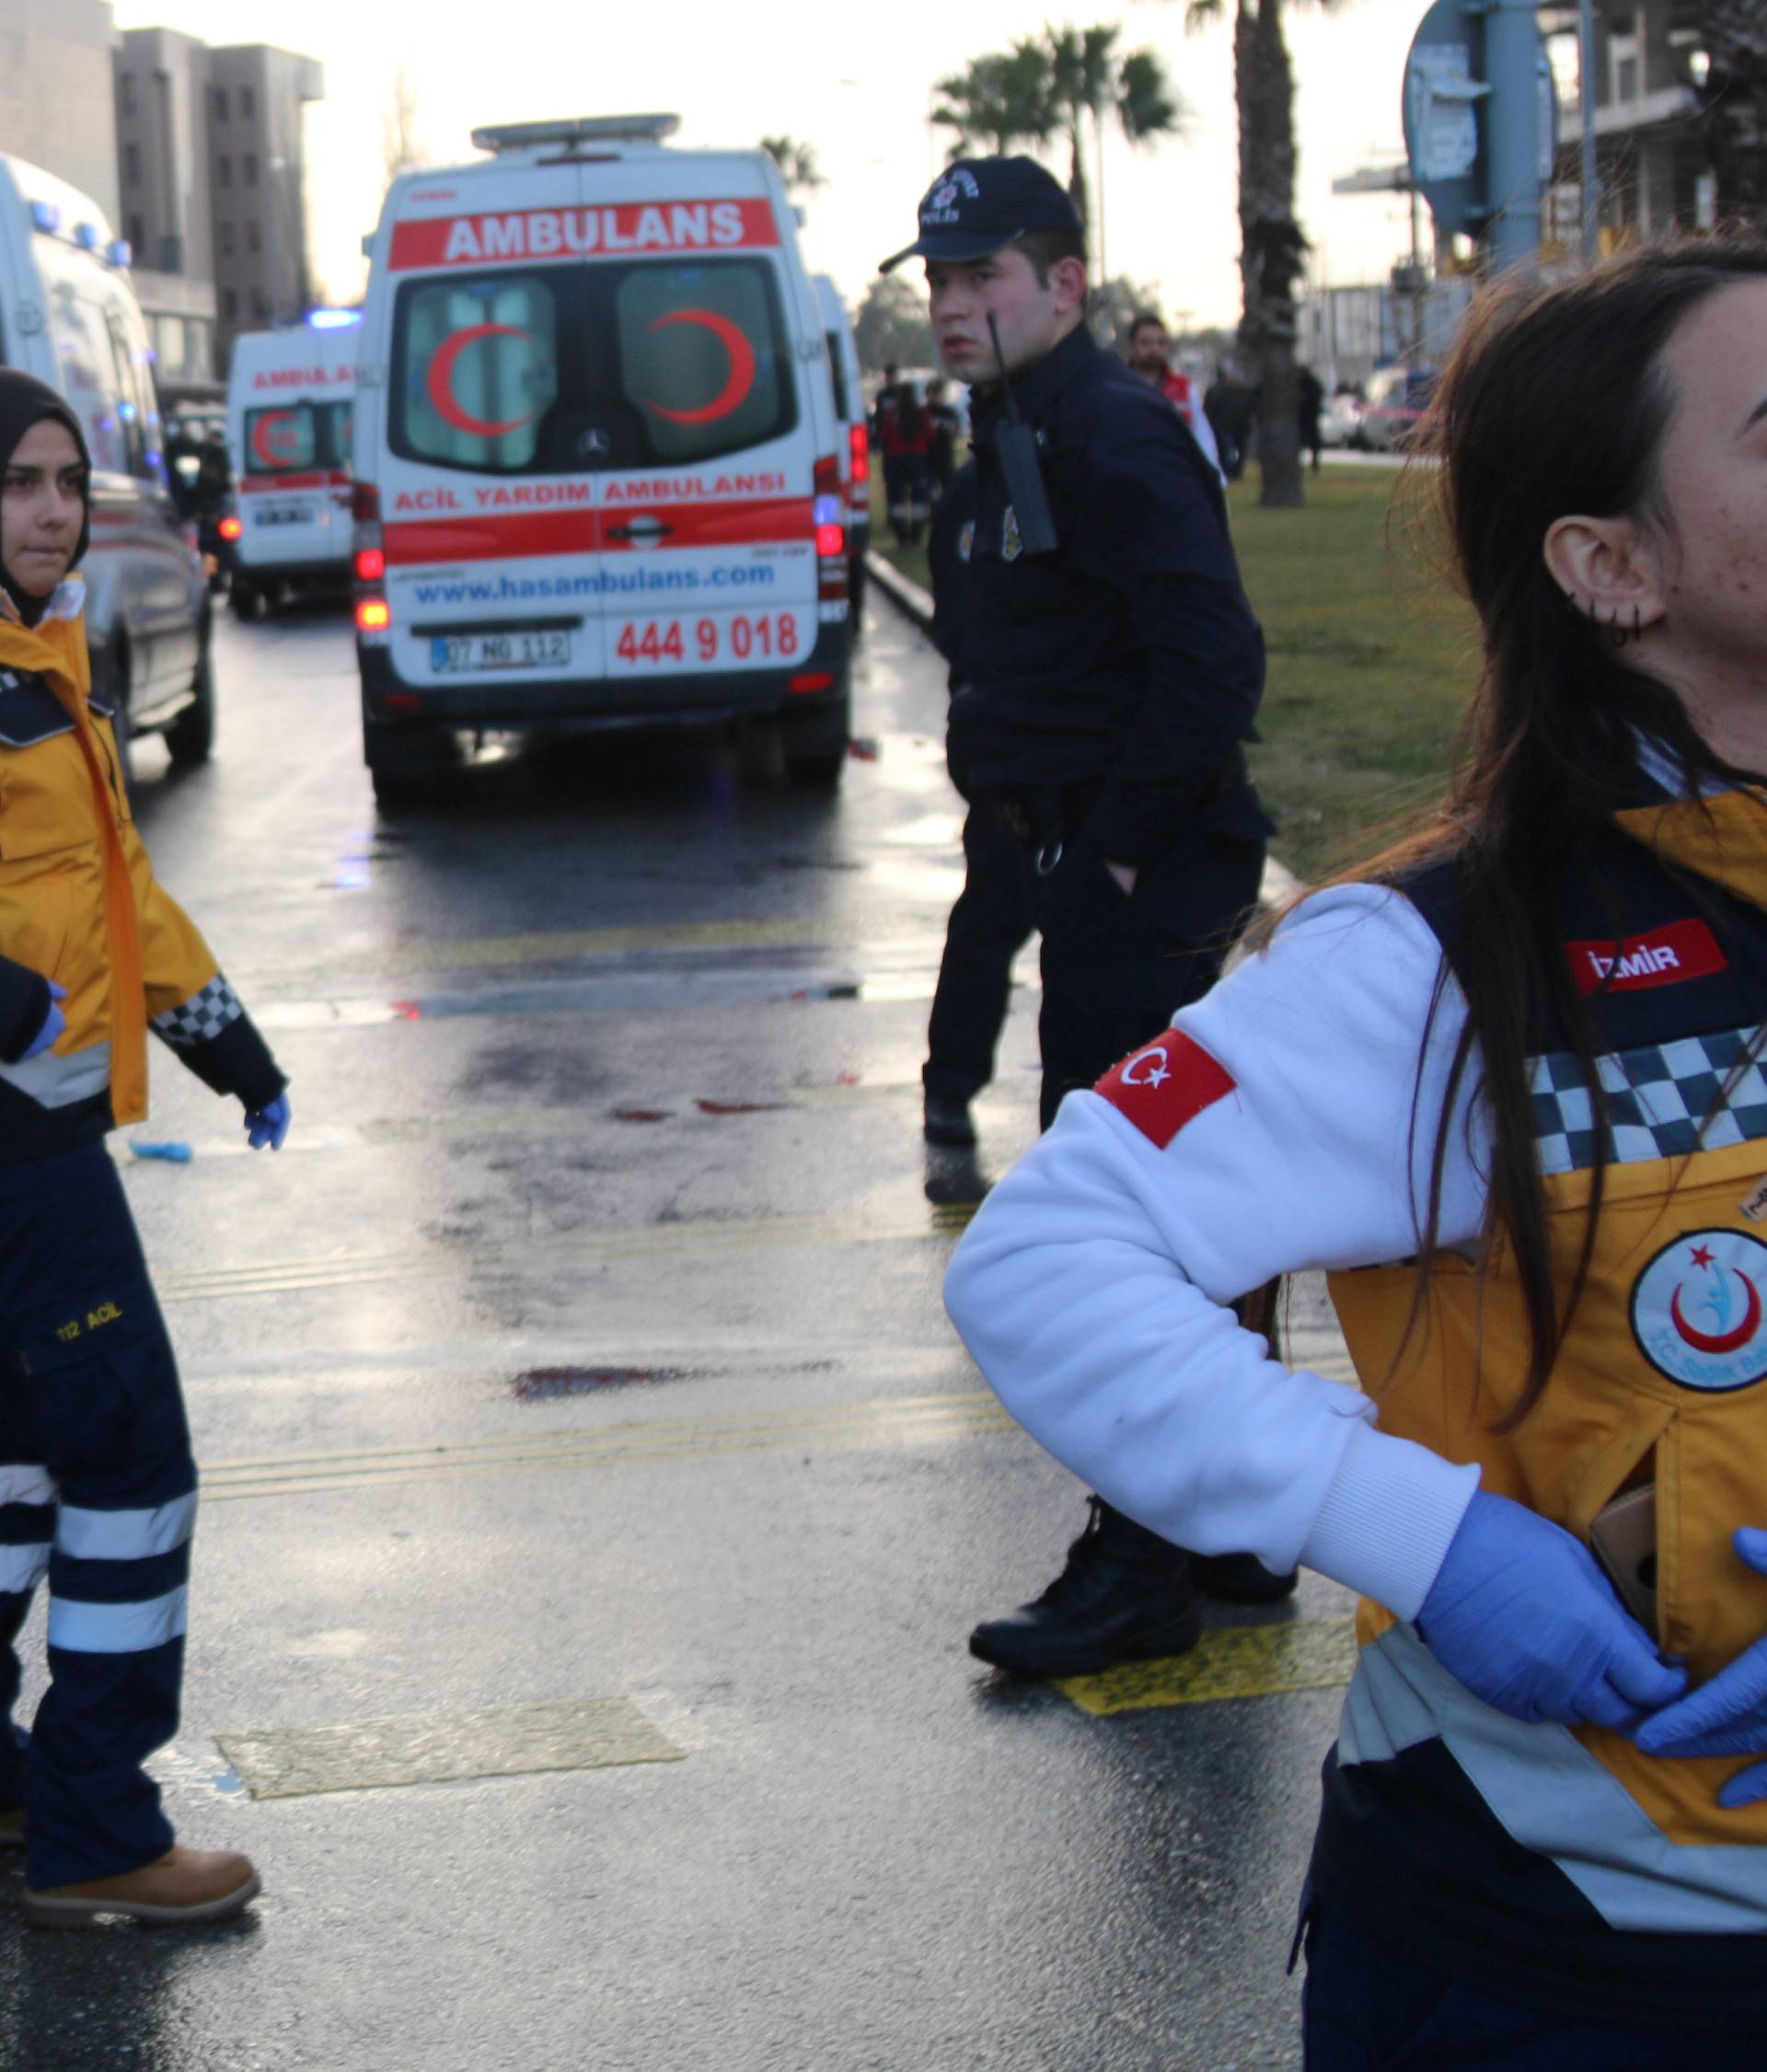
x=1480, y=120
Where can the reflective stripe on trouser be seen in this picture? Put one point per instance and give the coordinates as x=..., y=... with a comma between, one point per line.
x=92, y=1409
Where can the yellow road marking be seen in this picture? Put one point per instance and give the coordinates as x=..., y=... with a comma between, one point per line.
x=1234, y=1662
x=503, y=1740
x=648, y=1241
x=893, y=1421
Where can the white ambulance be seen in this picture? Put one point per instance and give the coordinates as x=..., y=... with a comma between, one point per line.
x=598, y=474
x=290, y=396
x=856, y=450
x=69, y=316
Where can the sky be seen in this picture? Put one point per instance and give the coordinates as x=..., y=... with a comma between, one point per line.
x=856, y=85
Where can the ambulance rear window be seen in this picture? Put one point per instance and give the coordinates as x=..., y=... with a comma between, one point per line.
x=295, y=438
x=478, y=370
x=701, y=358
x=556, y=370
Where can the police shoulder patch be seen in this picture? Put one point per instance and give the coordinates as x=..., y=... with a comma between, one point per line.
x=1165, y=1084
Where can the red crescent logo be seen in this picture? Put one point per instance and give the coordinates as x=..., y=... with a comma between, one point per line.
x=444, y=400
x=735, y=392
x=270, y=439
x=1731, y=1341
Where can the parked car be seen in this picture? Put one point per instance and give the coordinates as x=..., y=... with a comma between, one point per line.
x=69, y=316
x=1340, y=423
x=1398, y=399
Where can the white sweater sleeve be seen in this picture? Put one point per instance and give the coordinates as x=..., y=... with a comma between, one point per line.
x=1093, y=1287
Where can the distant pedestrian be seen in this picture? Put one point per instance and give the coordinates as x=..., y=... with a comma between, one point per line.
x=1505, y=1086
x=1110, y=673
x=1151, y=357
x=996, y=912
x=905, y=434
x=880, y=403
x=1231, y=410
x=97, y=1486
x=942, y=454
x=1310, y=401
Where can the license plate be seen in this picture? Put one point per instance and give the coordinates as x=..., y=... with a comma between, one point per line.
x=284, y=514
x=458, y=654
x=738, y=640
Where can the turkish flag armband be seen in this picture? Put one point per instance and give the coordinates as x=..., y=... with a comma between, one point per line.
x=1165, y=1084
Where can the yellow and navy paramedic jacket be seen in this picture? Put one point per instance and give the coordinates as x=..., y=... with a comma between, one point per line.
x=1271, y=1129
x=79, y=903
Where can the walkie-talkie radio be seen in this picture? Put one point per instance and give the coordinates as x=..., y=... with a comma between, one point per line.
x=1016, y=445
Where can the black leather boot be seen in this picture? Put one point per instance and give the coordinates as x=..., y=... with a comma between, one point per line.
x=1125, y=1595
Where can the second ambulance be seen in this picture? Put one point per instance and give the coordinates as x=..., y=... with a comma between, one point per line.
x=289, y=399
x=598, y=474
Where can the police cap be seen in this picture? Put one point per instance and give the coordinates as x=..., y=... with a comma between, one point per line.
x=978, y=205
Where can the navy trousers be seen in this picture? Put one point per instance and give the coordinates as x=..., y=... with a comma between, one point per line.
x=1116, y=967
x=98, y=1490
x=1368, y=2009
x=989, y=925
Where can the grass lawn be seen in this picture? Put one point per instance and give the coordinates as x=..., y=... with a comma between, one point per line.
x=1371, y=658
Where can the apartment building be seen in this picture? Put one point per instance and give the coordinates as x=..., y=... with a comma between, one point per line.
x=212, y=165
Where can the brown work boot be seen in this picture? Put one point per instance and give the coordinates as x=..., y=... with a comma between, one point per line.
x=184, y=1885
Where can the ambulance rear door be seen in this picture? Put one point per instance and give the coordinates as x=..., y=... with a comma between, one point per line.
x=708, y=511
x=489, y=465
x=292, y=453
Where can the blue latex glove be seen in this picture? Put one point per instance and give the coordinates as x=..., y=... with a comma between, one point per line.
x=268, y=1125
x=54, y=1022
x=1520, y=1613
x=1727, y=1716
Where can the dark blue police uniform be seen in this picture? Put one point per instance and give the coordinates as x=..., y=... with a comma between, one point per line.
x=1108, y=687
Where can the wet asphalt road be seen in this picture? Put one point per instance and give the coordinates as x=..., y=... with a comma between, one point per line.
x=584, y=1344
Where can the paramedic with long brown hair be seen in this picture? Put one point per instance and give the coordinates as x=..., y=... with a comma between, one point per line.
x=1506, y=1089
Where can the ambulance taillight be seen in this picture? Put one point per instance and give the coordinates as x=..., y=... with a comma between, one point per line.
x=230, y=528
x=374, y=615
x=831, y=532
x=862, y=452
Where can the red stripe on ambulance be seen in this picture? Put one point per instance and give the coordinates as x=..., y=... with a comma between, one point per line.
x=774, y=521
x=636, y=228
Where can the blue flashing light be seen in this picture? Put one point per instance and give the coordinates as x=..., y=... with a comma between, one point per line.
x=121, y=253
x=46, y=216
x=85, y=235
x=332, y=319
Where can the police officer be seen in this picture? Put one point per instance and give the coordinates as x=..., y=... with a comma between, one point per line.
x=996, y=912
x=1109, y=678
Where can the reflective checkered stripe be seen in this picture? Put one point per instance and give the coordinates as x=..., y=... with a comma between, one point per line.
x=202, y=1018
x=1663, y=1100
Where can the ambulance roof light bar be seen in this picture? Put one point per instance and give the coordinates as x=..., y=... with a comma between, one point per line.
x=582, y=129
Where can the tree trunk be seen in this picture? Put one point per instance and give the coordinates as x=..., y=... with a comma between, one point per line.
x=1077, y=173
x=1734, y=107
x=1271, y=245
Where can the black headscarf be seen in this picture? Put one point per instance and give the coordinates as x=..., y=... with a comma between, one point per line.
x=25, y=401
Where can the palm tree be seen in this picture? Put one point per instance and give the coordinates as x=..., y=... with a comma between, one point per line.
x=797, y=162
x=997, y=101
x=1272, y=246
x=1067, y=85
x=1733, y=104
